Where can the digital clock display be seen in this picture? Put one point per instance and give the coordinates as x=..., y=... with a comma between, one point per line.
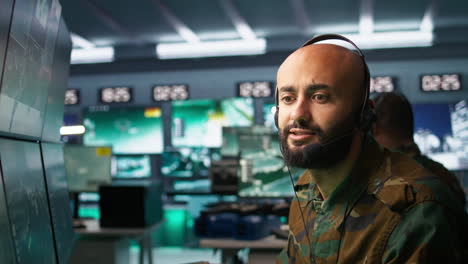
x=440, y=82
x=72, y=97
x=119, y=94
x=255, y=89
x=170, y=92
x=382, y=84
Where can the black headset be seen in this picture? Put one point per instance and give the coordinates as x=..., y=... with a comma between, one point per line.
x=367, y=115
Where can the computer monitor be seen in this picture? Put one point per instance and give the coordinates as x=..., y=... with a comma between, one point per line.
x=135, y=130
x=440, y=131
x=198, y=123
x=238, y=112
x=269, y=110
x=188, y=162
x=87, y=167
x=131, y=166
x=261, y=172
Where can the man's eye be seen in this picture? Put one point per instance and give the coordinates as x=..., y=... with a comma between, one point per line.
x=320, y=98
x=287, y=99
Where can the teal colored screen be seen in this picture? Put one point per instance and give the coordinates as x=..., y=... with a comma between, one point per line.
x=131, y=166
x=188, y=162
x=198, y=123
x=128, y=131
x=269, y=115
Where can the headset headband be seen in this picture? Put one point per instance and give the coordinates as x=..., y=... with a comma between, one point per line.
x=332, y=36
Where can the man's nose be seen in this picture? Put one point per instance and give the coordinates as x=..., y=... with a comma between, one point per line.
x=301, y=111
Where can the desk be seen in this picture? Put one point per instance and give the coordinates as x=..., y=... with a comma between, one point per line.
x=229, y=247
x=112, y=243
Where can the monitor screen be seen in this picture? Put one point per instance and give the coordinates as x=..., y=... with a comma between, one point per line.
x=440, y=131
x=127, y=130
x=188, y=162
x=87, y=167
x=195, y=186
x=238, y=112
x=131, y=166
x=269, y=110
x=262, y=172
x=198, y=123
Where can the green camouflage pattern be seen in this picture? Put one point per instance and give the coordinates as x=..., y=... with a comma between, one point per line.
x=436, y=168
x=388, y=210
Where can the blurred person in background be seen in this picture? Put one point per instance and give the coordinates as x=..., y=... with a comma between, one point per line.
x=394, y=129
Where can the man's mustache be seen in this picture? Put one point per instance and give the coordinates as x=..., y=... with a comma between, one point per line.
x=313, y=128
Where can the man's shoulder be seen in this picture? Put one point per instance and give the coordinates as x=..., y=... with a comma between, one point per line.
x=402, y=182
x=433, y=166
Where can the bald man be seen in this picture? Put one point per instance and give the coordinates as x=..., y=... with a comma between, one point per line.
x=356, y=202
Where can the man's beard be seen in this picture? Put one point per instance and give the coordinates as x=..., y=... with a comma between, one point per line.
x=331, y=148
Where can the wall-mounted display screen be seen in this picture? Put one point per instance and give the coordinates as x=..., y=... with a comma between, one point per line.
x=188, y=162
x=72, y=97
x=440, y=82
x=87, y=167
x=170, y=92
x=255, y=89
x=131, y=166
x=262, y=172
x=269, y=115
x=127, y=130
x=119, y=94
x=200, y=185
x=381, y=84
x=198, y=123
x=441, y=130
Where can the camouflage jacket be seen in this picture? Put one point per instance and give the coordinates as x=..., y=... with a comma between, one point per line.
x=436, y=168
x=388, y=210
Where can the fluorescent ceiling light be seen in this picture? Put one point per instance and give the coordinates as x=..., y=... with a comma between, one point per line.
x=397, y=39
x=81, y=42
x=72, y=130
x=93, y=55
x=211, y=49
x=427, y=22
x=366, y=18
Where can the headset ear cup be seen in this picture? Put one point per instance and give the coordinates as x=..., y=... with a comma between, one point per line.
x=276, y=117
x=367, y=119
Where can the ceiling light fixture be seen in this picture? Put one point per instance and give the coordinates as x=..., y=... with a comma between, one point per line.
x=383, y=40
x=211, y=49
x=80, y=41
x=92, y=55
x=72, y=130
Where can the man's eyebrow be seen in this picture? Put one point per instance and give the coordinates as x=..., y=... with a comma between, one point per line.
x=286, y=89
x=315, y=87
x=310, y=88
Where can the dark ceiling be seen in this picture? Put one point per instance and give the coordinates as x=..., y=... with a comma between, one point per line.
x=283, y=23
